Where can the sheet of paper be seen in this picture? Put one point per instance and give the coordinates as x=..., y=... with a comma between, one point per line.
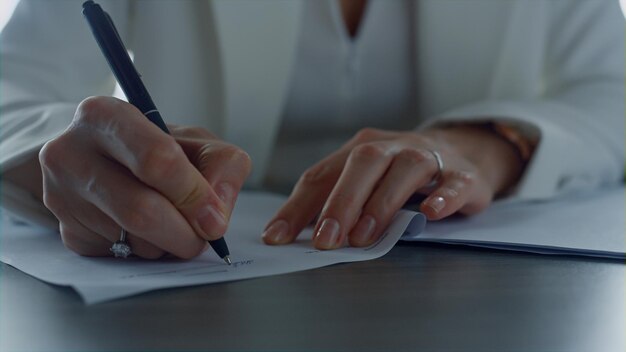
x=41, y=254
x=592, y=224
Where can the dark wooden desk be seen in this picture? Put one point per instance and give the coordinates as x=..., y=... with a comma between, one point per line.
x=416, y=298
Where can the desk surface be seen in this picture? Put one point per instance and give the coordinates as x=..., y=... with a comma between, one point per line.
x=417, y=297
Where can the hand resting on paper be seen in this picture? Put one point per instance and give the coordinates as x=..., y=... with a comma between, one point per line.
x=354, y=192
x=113, y=168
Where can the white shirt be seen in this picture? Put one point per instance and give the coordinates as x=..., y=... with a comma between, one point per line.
x=554, y=65
x=341, y=84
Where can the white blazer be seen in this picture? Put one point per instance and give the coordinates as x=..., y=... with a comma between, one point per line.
x=555, y=68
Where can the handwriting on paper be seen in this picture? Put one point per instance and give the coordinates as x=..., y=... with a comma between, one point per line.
x=193, y=271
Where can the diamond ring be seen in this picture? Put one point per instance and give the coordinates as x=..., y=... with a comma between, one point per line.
x=120, y=248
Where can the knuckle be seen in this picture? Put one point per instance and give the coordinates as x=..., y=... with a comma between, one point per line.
x=422, y=139
x=91, y=109
x=51, y=154
x=203, y=157
x=314, y=175
x=191, y=132
x=67, y=234
x=465, y=178
x=449, y=193
x=368, y=151
x=53, y=202
x=242, y=157
x=414, y=156
x=366, y=134
x=104, y=114
x=93, y=185
x=237, y=155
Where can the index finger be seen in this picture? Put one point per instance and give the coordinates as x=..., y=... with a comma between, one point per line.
x=306, y=200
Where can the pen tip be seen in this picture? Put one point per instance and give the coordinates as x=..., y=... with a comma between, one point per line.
x=227, y=260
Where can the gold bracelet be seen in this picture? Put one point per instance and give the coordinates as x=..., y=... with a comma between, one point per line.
x=522, y=145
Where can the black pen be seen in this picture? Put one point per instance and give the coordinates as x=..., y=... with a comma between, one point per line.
x=122, y=66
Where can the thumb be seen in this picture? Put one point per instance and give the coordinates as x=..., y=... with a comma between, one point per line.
x=225, y=167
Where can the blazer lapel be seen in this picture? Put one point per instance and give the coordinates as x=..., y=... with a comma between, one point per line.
x=256, y=43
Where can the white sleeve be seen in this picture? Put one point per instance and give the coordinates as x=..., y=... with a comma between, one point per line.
x=579, y=117
x=50, y=62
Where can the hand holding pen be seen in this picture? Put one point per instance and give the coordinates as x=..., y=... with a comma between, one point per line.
x=114, y=169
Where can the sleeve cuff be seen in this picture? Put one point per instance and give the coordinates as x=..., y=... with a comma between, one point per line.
x=549, y=172
x=25, y=206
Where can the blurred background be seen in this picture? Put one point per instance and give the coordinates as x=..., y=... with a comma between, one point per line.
x=7, y=7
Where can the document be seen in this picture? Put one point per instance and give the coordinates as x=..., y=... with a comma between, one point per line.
x=591, y=224
x=40, y=253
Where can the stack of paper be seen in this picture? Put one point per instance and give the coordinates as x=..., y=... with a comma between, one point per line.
x=591, y=225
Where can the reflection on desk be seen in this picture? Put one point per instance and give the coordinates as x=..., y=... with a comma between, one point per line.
x=417, y=297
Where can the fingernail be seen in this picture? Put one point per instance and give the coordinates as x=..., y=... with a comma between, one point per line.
x=211, y=221
x=328, y=234
x=436, y=203
x=226, y=193
x=364, y=229
x=276, y=233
